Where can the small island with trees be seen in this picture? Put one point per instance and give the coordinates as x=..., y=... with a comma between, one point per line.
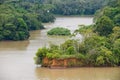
x=59, y=31
x=100, y=46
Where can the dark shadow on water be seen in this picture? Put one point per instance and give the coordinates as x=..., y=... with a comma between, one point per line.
x=13, y=45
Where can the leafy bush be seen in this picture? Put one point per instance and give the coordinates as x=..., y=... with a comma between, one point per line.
x=100, y=61
x=40, y=54
x=59, y=31
x=71, y=50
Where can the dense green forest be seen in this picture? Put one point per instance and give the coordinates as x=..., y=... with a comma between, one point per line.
x=107, y=18
x=100, y=45
x=18, y=17
x=75, y=7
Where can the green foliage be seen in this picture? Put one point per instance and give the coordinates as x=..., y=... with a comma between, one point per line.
x=71, y=50
x=80, y=56
x=92, y=51
x=70, y=43
x=100, y=61
x=86, y=31
x=100, y=45
x=49, y=55
x=32, y=21
x=13, y=28
x=59, y=31
x=17, y=18
x=58, y=52
x=104, y=26
x=111, y=12
x=116, y=50
x=100, y=50
x=93, y=42
x=56, y=56
x=62, y=7
x=46, y=17
x=114, y=3
x=117, y=20
x=10, y=26
x=115, y=35
x=40, y=54
x=107, y=56
x=110, y=56
x=75, y=7
x=66, y=56
x=21, y=25
x=107, y=18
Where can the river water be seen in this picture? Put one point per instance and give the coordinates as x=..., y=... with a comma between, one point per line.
x=17, y=63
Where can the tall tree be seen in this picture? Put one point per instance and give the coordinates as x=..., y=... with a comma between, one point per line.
x=104, y=26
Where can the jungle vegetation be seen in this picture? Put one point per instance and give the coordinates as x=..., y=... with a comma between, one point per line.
x=100, y=45
x=75, y=7
x=18, y=17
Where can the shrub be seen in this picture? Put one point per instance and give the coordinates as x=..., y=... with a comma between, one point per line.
x=71, y=50
x=41, y=53
x=100, y=61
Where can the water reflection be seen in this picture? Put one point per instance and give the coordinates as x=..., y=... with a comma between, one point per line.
x=78, y=74
x=35, y=34
x=13, y=45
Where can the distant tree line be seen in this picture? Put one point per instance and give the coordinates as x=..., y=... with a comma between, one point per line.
x=75, y=7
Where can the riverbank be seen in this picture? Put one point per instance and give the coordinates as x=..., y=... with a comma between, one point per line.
x=67, y=63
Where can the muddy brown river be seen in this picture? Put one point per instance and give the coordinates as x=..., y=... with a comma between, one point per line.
x=17, y=63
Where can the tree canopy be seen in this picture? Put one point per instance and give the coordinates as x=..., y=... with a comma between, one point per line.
x=75, y=7
x=107, y=18
x=21, y=16
x=18, y=17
